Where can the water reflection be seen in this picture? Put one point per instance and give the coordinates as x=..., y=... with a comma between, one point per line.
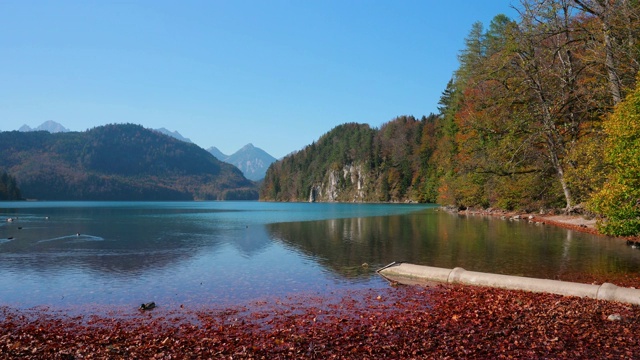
x=195, y=253
x=120, y=241
x=439, y=239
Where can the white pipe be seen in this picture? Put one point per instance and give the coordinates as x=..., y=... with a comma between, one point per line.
x=410, y=273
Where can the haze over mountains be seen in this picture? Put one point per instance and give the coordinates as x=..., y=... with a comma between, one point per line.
x=251, y=160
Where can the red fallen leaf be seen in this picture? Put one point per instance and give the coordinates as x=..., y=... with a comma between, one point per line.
x=409, y=320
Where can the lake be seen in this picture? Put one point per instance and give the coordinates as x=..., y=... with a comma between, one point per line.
x=93, y=254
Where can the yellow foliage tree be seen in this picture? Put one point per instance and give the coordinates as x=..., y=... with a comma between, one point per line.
x=619, y=199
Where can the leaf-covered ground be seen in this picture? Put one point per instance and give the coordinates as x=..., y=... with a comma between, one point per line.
x=398, y=322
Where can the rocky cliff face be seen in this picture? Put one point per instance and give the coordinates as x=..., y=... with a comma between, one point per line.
x=342, y=185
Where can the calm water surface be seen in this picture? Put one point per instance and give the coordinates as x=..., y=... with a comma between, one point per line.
x=69, y=254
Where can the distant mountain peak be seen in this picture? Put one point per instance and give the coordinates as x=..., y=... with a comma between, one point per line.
x=217, y=153
x=252, y=161
x=173, y=134
x=49, y=125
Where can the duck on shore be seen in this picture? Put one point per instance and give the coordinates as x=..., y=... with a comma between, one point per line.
x=633, y=244
x=147, y=306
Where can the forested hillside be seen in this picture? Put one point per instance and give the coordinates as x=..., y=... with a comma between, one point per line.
x=521, y=124
x=354, y=162
x=117, y=162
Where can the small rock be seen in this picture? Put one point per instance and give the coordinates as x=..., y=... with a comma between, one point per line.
x=614, y=317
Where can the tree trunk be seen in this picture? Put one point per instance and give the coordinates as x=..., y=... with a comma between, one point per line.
x=555, y=148
x=603, y=10
x=615, y=86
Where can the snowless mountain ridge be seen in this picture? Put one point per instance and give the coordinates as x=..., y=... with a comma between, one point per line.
x=251, y=160
x=50, y=126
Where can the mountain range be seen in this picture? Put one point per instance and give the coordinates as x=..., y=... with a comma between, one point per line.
x=117, y=162
x=251, y=160
x=49, y=125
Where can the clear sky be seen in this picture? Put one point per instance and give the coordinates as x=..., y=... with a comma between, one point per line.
x=278, y=74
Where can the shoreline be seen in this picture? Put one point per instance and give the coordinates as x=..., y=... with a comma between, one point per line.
x=571, y=222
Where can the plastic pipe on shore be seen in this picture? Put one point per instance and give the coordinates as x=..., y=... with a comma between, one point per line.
x=412, y=274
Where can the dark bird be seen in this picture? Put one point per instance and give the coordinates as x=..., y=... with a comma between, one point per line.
x=147, y=306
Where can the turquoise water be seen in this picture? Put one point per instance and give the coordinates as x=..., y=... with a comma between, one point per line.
x=189, y=253
x=70, y=254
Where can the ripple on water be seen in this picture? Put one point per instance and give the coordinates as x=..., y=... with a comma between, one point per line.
x=73, y=238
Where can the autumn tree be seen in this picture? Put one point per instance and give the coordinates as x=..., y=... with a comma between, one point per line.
x=618, y=33
x=619, y=199
x=558, y=92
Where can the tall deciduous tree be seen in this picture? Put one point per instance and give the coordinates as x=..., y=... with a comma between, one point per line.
x=546, y=61
x=619, y=31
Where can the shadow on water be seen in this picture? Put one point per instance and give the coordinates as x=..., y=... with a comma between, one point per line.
x=436, y=238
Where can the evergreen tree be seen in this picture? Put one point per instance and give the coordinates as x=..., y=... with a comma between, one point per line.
x=9, y=188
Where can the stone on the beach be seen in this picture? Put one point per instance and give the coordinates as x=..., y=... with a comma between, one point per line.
x=614, y=317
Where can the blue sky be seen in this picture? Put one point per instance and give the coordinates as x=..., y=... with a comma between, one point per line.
x=274, y=73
